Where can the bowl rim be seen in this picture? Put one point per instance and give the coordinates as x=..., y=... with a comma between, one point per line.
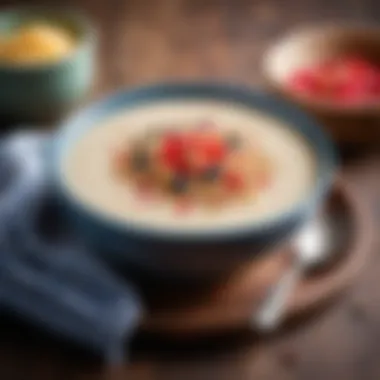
x=73, y=127
x=87, y=38
x=315, y=29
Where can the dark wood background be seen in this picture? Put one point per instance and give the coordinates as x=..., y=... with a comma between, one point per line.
x=143, y=41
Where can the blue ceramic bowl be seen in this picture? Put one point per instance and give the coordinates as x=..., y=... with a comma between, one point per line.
x=190, y=254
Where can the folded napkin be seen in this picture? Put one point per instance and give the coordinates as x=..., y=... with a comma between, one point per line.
x=48, y=276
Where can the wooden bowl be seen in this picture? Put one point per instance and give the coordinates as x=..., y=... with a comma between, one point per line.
x=359, y=125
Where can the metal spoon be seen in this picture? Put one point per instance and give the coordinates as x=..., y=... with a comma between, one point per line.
x=313, y=246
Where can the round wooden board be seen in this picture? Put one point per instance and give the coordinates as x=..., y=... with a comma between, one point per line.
x=230, y=306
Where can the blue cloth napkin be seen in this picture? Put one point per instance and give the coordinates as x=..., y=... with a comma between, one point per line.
x=50, y=278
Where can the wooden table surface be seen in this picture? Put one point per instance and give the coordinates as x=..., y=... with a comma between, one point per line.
x=143, y=41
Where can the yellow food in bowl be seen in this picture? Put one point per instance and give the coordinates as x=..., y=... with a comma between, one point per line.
x=36, y=44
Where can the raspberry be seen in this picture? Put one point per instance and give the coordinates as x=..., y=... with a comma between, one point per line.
x=173, y=153
x=305, y=82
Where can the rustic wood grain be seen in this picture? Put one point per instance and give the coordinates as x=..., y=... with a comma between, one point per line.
x=144, y=41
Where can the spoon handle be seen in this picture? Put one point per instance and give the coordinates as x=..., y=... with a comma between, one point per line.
x=271, y=311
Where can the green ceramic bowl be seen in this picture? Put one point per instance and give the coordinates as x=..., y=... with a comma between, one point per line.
x=45, y=91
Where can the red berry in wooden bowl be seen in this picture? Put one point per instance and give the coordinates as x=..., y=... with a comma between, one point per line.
x=344, y=80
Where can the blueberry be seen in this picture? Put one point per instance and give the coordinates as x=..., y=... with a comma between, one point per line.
x=212, y=173
x=140, y=160
x=179, y=184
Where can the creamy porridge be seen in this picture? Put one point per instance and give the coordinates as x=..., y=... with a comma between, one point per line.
x=90, y=174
